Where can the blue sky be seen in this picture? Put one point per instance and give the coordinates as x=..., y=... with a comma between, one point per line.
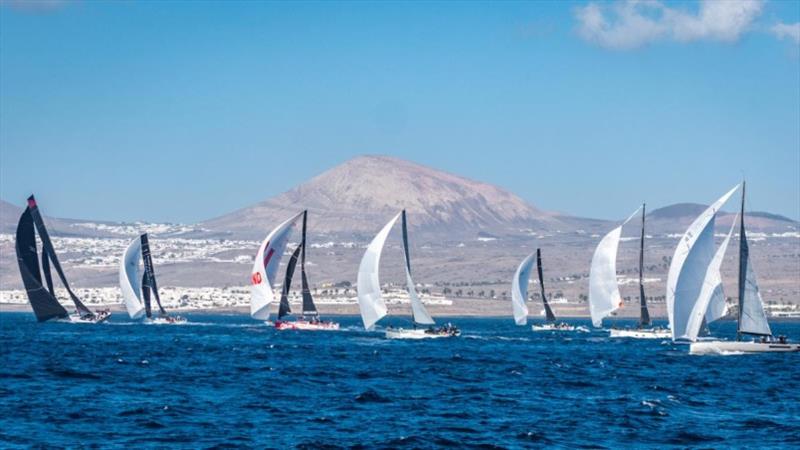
x=184, y=111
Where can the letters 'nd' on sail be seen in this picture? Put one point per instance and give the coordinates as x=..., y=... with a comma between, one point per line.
x=266, y=266
x=604, y=297
x=711, y=301
x=368, y=284
x=519, y=289
x=687, y=271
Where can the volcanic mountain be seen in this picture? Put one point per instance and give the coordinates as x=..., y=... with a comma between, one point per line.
x=357, y=197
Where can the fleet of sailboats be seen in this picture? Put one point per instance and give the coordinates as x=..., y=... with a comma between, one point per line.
x=604, y=296
x=694, y=294
x=44, y=301
x=370, y=300
x=137, y=287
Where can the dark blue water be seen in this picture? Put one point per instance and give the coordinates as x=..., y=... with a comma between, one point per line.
x=226, y=380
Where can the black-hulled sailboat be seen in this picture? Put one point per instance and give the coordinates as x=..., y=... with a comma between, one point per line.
x=44, y=301
x=309, y=320
x=550, y=324
x=137, y=286
x=751, y=320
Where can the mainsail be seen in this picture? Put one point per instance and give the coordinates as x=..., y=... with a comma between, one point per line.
x=519, y=290
x=644, y=314
x=418, y=312
x=149, y=281
x=368, y=284
x=752, y=319
x=549, y=316
x=710, y=304
x=689, y=266
x=30, y=272
x=604, y=297
x=284, y=309
x=309, y=309
x=44, y=303
x=129, y=279
x=265, y=268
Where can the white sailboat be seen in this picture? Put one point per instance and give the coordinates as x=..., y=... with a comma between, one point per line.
x=136, y=286
x=265, y=268
x=371, y=303
x=751, y=318
x=519, y=292
x=604, y=296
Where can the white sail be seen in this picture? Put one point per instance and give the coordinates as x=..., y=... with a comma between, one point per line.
x=130, y=279
x=519, y=289
x=266, y=266
x=368, y=283
x=710, y=303
x=752, y=318
x=604, y=295
x=421, y=315
x=689, y=266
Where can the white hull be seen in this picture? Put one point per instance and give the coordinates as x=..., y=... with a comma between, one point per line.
x=559, y=327
x=640, y=334
x=400, y=333
x=306, y=326
x=737, y=347
x=98, y=317
x=165, y=320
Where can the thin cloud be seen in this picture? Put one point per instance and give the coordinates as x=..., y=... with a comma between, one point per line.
x=36, y=6
x=790, y=31
x=630, y=24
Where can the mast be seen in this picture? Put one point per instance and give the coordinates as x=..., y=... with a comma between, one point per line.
x=550, y=317
x=284, y=309
x=743, y=257
x=644, y=318
x=308, y=301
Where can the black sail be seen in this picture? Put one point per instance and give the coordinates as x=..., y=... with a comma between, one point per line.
x=150, y=273
x=309, y=308
x=548, y=312
x=44, y=304
x=47, y=248
x=146, y=295
x=284, y=309
x=407, y=256
x=644, y=317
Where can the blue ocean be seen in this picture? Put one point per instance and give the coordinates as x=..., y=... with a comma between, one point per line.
x=228, y=381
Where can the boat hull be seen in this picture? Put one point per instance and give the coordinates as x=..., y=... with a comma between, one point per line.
x=736, y=347
x=640, y=334
x=165, y=321
x=98, y=318
x=400, y=333
x=304, y=325
x=559, y=327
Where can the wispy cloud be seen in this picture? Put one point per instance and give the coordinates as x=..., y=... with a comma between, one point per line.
x=790, y=31
x=629, y=24
x=36, y=6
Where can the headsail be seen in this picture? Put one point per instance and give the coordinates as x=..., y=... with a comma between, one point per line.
x=549, y=316
x=752, y=319
x=519, y=290
x=309, y=309
x=368, y=284
x=265, y=268
x=688, y=268
x=130, y=279
x=284, y=309
x=418, y=312
x=604, y=295
x=44, y=304
x=710, y=304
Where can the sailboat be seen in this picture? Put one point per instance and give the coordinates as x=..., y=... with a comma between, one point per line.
x=751, y=319
x=604, y=296
x=371, y=303
x=44, y=301
x=137, y=287
x=265, y=268
x=550, y=319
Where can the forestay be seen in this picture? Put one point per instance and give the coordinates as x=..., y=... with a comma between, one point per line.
x=689, y=266
x=370, y=302
x=519, y=289
x=604, y=297
x=265, y=268
x=130, y=279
